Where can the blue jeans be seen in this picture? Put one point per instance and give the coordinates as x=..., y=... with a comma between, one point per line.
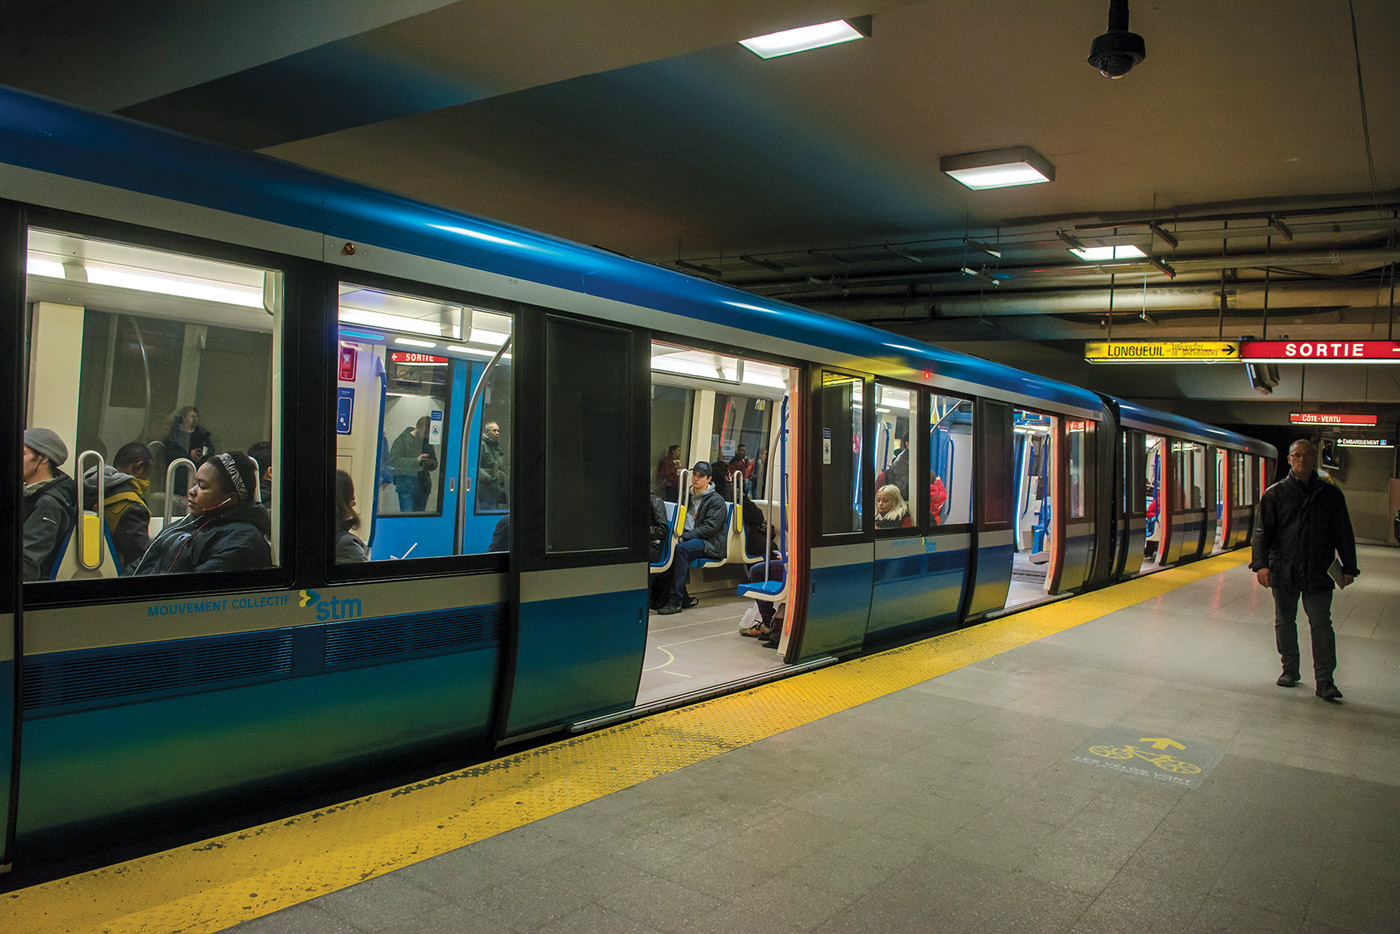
x=686, y=552
x=406, y=485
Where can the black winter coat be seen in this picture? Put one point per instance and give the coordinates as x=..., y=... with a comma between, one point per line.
x=49, y=511
x=231, y=539
x=711, y=522
x=1301, y=527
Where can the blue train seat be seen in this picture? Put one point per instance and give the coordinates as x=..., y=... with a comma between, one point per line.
x=718, y=562
x=675, y=518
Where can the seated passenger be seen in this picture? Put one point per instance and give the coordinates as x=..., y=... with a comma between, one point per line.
x=660, y=584
x=125, y=511
x=703, y=536
x=891, y=512
x=261, y=453
x=225, y=529
x=349, y=548
x=723, y=479
x=764, y=630
x=50, y=502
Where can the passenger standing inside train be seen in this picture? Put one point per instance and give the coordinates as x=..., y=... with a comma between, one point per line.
x=703, y=536
x=742, y=469
x=1303, y=525
x=668, y=474
x=897, y=472
x=187, y=438
x=410, y=456
x=225, y=530
x=261, y=453
x=125, y=510
x=493, y=480
x=50, y=502
x=349, y=548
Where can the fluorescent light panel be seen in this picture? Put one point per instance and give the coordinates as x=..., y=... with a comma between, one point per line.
x=1095, y=254
x=802, y=39
x=998, y=168
x=226, y=293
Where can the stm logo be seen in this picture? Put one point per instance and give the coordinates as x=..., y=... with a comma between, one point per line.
x=334, y=608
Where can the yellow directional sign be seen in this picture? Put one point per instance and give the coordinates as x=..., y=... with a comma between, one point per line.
x=1161, y=742
x=1161, y=351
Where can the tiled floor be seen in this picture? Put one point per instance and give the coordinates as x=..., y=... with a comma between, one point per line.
x=956, y=805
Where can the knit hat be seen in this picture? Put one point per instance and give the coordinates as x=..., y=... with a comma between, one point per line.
x=48, y=443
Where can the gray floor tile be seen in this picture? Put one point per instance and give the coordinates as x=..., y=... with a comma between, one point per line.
x=380, y=902
x=300, y=919
x=1223, y=916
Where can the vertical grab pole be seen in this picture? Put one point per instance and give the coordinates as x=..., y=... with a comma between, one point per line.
x=466, y=447
x=168, y=512
x=81, y=525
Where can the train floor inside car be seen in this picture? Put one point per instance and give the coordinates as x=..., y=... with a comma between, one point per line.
x=700, y=648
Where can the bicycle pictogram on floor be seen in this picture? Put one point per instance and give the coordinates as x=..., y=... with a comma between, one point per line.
x=1160, y=759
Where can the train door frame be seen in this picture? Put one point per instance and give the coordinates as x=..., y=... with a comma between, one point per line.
x=1075, y=537
x=549, y=648
x=1106, y=516
x=1130, y=504
x=836, y=562
x=989, y=577
x=13, y=367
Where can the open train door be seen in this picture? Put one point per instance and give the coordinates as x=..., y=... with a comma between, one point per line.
x=579, y=506
x=12, y=374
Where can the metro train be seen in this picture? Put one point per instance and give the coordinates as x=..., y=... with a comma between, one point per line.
x=505, y=404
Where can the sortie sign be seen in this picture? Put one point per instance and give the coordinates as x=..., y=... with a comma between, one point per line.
x=1322, y=351
x=1161, y=351
x=1330, y=418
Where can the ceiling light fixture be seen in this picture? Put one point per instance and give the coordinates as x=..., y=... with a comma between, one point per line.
x=1162, y=265
x=1073, y=241
x=980, y=274
x=1157, y=229
x=998, y=168
x=1096, y=254
x=806, y=38
x=984, y=247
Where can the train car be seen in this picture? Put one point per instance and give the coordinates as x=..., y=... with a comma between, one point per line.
x=460, y=432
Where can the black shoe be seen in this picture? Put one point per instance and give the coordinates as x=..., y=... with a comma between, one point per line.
x=689, y=602
x=1287, y=679
x=1328, y=691
x=669, y=609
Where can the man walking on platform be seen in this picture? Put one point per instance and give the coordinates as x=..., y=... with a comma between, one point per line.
x=1303, y=524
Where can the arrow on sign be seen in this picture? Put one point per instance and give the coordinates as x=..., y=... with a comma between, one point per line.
x=1160, y=742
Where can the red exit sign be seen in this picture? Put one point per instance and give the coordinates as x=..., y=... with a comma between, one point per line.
x=399, y=356
x=1322, y=351
x=1328, y=418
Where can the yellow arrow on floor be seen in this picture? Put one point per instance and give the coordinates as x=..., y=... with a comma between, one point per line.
x=1160, y=742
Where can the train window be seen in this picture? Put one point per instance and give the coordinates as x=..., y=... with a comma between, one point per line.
x=588, y=437
x=408, y=368
x=896, y=460
x=950, y=460
x=740, y=429
x=1181, y=479
x=158, y=368
x=842, y=444
x=1199, y=475
x=1079, y=437
x=672, y=409
x=996, y=471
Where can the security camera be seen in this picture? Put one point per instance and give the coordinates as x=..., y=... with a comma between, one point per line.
x=1116, y=52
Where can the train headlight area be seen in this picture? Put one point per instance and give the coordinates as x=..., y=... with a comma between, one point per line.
x=304, y=491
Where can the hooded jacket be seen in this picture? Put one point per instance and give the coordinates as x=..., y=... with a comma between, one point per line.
x=50, y=507
x=230, y=539
x=125, y=512
x=1302, y=525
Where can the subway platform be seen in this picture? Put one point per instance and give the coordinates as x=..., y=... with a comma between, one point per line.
x=1119, y=761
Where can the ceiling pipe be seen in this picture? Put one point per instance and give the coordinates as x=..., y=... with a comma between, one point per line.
x=1241, y=296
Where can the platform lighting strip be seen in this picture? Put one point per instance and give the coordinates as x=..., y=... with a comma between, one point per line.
x=802, y=39
x=1095, y=254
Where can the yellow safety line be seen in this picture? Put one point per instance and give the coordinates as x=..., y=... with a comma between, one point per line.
x=220, y=882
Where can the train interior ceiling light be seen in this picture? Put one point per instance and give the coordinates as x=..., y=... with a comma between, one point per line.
x=806, y=38
x=998, y=168
x=79, y=261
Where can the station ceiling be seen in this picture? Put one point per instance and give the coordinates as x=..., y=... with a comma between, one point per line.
x=644, y=128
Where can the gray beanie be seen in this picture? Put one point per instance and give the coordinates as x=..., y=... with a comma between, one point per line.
x=48, y=443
